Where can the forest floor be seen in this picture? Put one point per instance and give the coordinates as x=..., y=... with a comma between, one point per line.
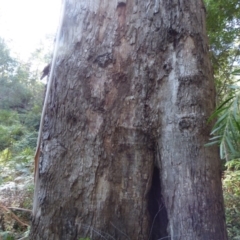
x=15, y=206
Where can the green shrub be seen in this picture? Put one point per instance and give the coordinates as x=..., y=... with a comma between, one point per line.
x=231, y=187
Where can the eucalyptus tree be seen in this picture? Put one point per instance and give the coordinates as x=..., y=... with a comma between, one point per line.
x=122, y=153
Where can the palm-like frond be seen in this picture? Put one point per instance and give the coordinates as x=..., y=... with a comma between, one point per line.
x=226, y=130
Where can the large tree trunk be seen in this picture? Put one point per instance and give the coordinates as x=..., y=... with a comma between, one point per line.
x=123, y=153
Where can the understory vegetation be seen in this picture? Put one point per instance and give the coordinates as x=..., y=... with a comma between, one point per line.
x=223, y=25
x=21, y=98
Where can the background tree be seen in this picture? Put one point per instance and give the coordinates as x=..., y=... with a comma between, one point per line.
x=123, y=153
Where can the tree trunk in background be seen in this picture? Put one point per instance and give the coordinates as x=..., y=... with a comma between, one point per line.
x=123, y=153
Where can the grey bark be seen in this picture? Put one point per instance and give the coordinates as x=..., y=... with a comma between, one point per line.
x=123, y=153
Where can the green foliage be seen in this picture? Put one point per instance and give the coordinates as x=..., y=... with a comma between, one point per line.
x=21, y=97
x=226, y=131
x=233, y=165
x=14, y=95
x=6, y=235
x=231, y=187
x=7, y=63
x=15, y=138
x=31, y=119
x=5, y=140
x=8, y=117
x=224, y=31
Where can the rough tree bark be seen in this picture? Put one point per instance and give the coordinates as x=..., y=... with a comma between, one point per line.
x=123, y=153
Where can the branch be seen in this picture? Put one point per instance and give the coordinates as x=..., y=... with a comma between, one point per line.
x=20, y=209
x=13, y=215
